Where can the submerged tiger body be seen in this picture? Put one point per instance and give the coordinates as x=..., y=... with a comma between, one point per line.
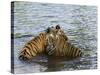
x=57, y=45
x=33, y=47
x=53, y=42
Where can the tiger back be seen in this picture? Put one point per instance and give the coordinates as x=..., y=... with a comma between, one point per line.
x=63, y=48
x=33, y=47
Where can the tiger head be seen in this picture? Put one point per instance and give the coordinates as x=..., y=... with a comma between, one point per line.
x=53, y=34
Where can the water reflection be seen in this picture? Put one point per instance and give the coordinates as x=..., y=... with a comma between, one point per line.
x=60, y=63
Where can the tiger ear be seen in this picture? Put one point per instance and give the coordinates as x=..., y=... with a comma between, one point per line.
x=52, y=27
x=48, y=30
x=57, y=27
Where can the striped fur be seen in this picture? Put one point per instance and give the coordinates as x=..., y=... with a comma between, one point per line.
x=57, y=45
x=33, y=47
x=54, y=42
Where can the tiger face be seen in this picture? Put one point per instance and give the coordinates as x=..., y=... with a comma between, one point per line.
x=55, y=32
x=53, y=35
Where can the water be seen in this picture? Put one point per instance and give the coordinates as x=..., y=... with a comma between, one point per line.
x=78, y=22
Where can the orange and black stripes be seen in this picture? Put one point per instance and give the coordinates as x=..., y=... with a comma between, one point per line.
x=53, y=42
x=59, y=46
x=72, y=51
x=33, y=47
x=63, y=48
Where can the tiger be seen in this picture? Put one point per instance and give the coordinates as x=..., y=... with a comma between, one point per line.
x=33, y=47
x=51, y=37
x=38, y=44
x=48, y=42
x=58, y=45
